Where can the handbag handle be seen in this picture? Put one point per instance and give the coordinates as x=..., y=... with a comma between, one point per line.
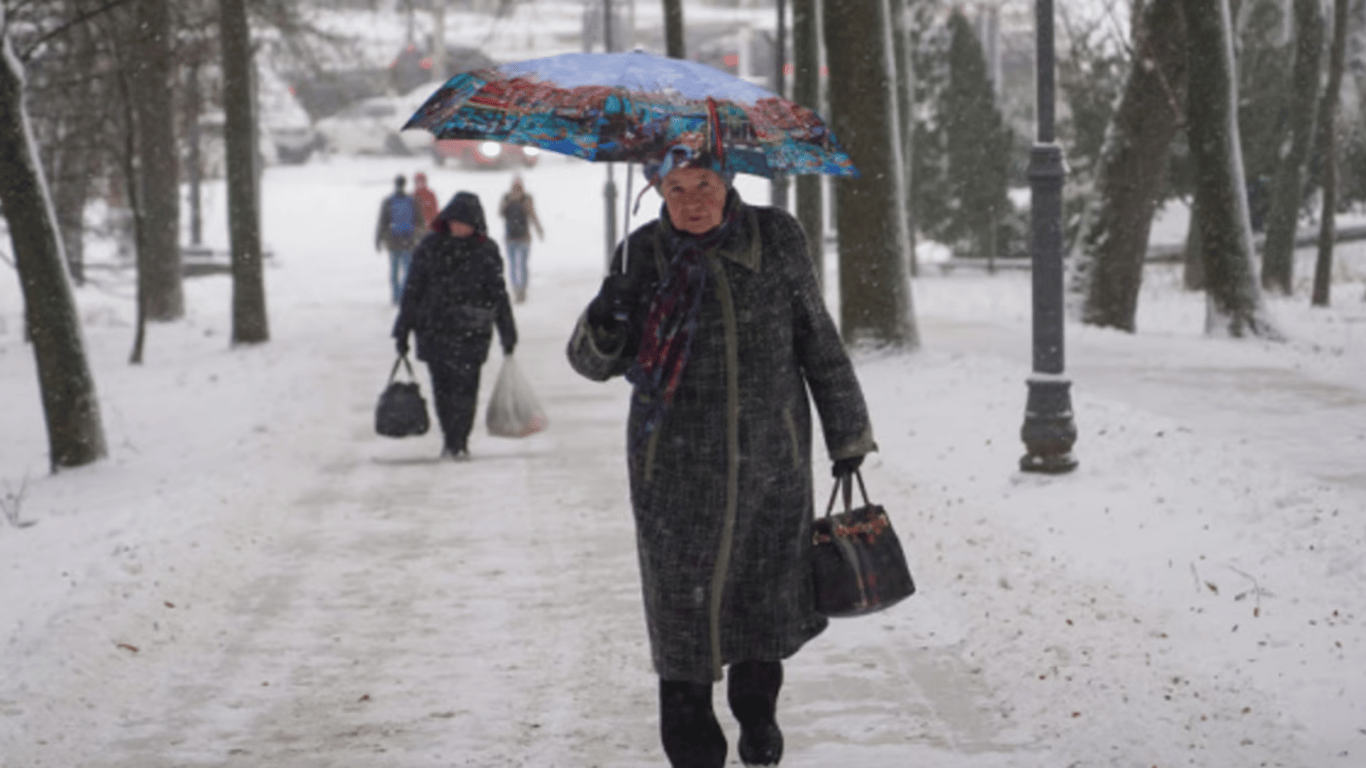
x=403, y=359
x=847, y=483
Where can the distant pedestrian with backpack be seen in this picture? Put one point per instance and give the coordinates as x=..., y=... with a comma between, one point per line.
x=519, y=216
x=399, y=230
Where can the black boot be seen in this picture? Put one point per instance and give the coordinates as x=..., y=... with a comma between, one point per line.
x=752, y=688
x=687, y=726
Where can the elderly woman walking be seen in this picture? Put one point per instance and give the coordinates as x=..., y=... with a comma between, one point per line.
x=454, y=299
x=715, y=316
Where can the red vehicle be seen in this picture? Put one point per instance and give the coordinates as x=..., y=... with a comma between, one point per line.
x=475, y=153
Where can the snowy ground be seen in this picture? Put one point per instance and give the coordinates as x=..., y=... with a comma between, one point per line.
x=254, y=578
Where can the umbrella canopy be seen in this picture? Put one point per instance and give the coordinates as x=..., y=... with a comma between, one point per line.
x=630, y=107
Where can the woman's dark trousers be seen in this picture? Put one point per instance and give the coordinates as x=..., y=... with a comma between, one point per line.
x=691, y=735
x=455, y=392
x=752, y=689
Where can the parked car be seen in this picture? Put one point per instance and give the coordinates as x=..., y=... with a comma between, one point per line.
x=371, y=126
x=294, y=143
x=284, y=120
x=473, y=153
x=212, y=150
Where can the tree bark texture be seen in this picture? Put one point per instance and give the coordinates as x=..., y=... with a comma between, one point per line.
x=806, y=90
x=905, y=103
x=1192, y=253
x=71, y=164
x=875, y=296
x=67, y=387
x=1234, y=304
x=675, y=44
x=68, y=127
x=1328, y=113
x=780, y=183
x=249, y=323
x=1133, y=164
x=159, y=277
x=139, y=218
x=1301, y=95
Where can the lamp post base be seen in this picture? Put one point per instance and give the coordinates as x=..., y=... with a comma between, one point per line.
x=1048, y=432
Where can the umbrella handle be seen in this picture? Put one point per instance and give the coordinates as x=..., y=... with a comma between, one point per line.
x=626, y=241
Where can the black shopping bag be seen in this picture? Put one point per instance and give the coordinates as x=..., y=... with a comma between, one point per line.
x=401, y=411
x=857, y=564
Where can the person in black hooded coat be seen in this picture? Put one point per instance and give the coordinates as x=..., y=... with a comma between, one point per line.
x=453, y=299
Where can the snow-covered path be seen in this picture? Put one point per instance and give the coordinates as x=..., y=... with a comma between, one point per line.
x=254, y=578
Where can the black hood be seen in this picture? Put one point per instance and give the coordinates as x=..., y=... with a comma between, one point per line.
x=465, y=208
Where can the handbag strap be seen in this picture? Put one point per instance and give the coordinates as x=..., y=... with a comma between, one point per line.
x=402, y=359
x=846, y=482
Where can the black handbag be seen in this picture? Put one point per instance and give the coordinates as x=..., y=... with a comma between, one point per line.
x=401, y=411
x=857, y=564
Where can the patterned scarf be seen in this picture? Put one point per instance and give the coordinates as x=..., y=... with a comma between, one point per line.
x=666, y=338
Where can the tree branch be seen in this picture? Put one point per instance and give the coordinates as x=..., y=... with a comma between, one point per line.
x=80, y=19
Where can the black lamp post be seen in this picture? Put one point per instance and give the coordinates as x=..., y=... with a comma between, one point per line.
x=1048, y=431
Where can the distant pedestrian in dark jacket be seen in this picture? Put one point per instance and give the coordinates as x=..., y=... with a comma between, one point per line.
x=718, y=323
x=399, y=227
x=519, y=216
x=454, y=298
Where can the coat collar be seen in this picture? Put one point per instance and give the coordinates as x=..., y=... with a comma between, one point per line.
x=744, y=247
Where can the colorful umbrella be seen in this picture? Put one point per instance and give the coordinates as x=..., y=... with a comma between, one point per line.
x=630, y=107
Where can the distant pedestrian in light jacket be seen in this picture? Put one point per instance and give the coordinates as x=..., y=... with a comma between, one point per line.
x=426, y=199
x=454, y=299
x=716, y=319
x=398, y=230
x=519, y=216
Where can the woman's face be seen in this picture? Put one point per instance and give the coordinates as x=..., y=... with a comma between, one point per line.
x=460, y=228
x=695, y=199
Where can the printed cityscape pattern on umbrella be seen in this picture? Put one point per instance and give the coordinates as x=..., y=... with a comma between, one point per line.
x=630, y=107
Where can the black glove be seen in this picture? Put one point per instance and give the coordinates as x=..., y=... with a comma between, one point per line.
x=507, y=349
x=614, y=302
x=846, y=467
x=401, y=345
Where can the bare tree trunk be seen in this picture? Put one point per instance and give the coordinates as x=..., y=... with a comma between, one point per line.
x=159, y=278
x=1133, y=164
x=71, y=177
x=905, y=77
x=249, y=325
x=1301, y=92
x=675, y=44
x=63, y=114
x=806, y=90
x=1234, y=305
x=875, y=296
x=75, y=433
x=1328, y=112
x=1193, y=254
x=139, y=211
x=779, y=184
x=72, y=158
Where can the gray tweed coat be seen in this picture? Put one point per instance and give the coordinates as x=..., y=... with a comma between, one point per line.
x=722, y=491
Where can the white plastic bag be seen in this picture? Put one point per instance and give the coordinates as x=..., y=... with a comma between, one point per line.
x=514, y=410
